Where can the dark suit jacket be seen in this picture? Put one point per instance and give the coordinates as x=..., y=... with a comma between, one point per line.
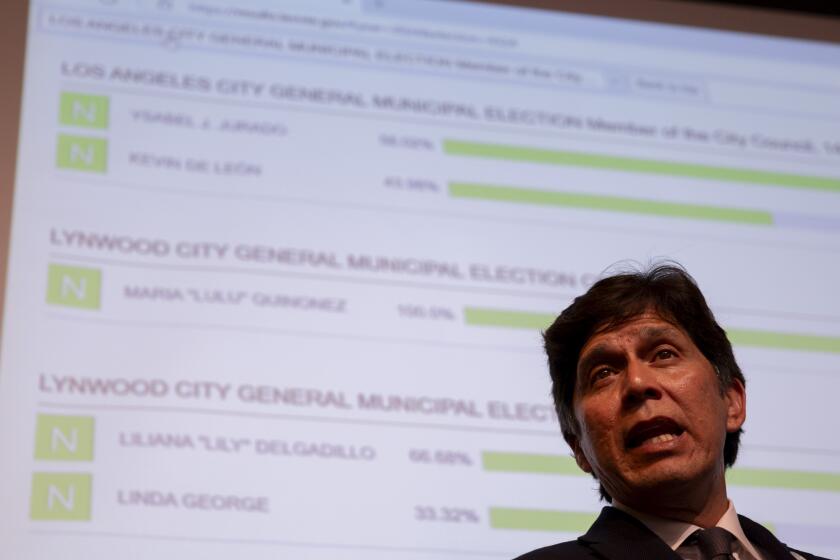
x=616, y=534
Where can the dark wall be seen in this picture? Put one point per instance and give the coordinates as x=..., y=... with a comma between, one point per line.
x=803, y=6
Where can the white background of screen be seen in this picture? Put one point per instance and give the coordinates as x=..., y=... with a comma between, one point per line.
x=285, y=299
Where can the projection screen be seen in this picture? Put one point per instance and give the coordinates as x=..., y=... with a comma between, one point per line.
x=277, y=271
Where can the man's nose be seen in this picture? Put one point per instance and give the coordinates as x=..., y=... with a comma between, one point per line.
x=641, y=383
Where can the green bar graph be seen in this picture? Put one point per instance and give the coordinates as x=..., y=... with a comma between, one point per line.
x=530, y=463
x=774, y=478
x=537, y=463
x=609, y=203
x=541, y=519
x=508, y=318
x=482, y=317
x=639, y=165
x=784, y=341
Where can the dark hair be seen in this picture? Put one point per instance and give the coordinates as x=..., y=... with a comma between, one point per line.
x=666, y=289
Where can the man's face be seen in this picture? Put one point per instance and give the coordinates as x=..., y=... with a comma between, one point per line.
x=651, y=414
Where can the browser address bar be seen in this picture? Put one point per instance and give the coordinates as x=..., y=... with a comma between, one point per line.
x=782, y=99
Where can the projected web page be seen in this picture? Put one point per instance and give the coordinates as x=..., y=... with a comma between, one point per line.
x=278, y=270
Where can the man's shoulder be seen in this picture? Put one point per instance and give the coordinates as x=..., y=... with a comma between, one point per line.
x=608, y=537
x=799, y=555
x=569, y=549
x=761, y=536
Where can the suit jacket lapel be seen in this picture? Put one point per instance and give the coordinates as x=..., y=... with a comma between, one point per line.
x=764, y=540
x=616, y=534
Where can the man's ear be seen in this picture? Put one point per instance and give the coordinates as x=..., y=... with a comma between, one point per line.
x=580, y=458
x=736, y=407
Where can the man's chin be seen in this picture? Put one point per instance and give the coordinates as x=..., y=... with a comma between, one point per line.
x=661, y=480
x=663, y=476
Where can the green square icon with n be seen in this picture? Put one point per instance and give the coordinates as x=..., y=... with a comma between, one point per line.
x=64, y=438
x=74, y=286
x=83, y=110
x=82, y=153
x=60, y=496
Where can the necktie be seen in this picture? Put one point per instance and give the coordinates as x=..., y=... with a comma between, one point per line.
x=715, y=543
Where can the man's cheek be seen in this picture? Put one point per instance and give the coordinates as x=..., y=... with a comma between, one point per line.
x=601, y=448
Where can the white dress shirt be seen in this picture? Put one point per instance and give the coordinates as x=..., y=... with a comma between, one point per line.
x=675, y=533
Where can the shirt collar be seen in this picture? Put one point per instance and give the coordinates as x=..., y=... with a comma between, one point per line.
x=674, y=532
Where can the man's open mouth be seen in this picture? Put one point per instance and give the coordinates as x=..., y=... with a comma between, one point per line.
x=656, y=430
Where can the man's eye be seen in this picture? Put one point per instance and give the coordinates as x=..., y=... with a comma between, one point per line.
x=601, y=373
x=664, y=354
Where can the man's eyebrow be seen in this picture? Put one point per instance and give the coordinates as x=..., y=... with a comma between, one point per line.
x=658, y=332
x=602, y=352
x=597, y=353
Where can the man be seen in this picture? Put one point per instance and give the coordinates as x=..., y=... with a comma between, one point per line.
x=651, y=401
